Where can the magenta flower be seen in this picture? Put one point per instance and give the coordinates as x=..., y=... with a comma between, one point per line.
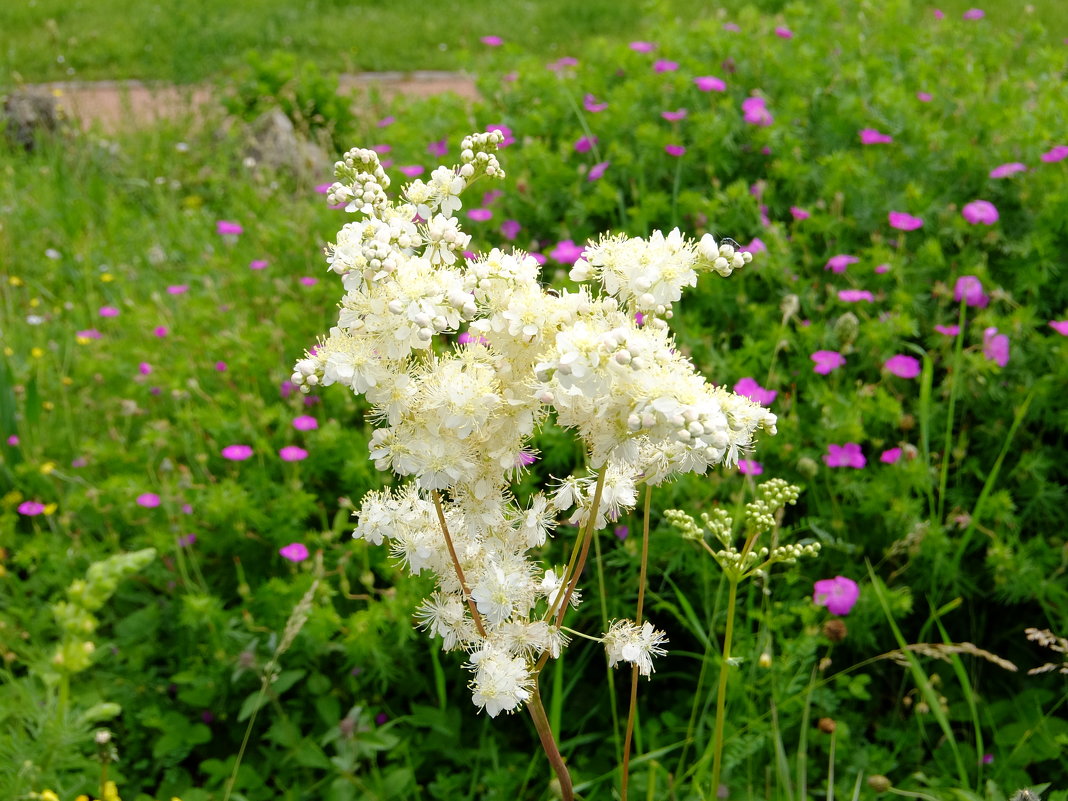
x=756, y=246
x=160, y=331
x=855, y=295
x=109, y=311
x=597, y=170
x=88, y=333
x=904, y=222
x=307, y=280
x=492, y=41
x=480, y=215
x=385, y=122
x=149, y=500
x=750, y=467
x=799, y=213
x=674, y=150
x=710, y=83
x=1005, y=170
x=506, y=132
x=924, y=97
x=1060, y=326
x=294, y=552
x=674, y=116
x=291, y=453
x=870, y=136
x=948, y=330
x=839, y=594
x=827, y=360
x=563, y=63
x=490, y=197
x=186, y=540
x=589, y=102
x=751, y=389
x=438, y=148
x=305, y=423
x=510, y=229
x=237, y=453
x=31, y=508
x=882, y=268
x=974, y=13
x=838, y=264
x=622, y=532
x=411, y=170
x=783, y=32
x=642, y=47
x=13, y=440
x=585, y=144
x=996, y=346
x=220, y=367
x=903, y=366
x=970, y=289
x=228, y=228
x=177, y=289
x=980, y=212
x=663, y=65
x=258, y=264
x=755, y=112
x=566, y=252
x=847, y=455
x=144, y=368
x=382, y=149
x=1059, y=153
x=890, y=456
x=938, y=13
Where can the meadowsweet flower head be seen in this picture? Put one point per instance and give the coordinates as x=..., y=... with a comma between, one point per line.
x=838, y=594
x=625, y=641
x=980, y=212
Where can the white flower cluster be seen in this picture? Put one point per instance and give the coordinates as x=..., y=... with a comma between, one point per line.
x=462, y=359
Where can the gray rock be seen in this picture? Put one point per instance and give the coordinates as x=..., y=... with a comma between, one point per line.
x=28, y=114
x=273, y=142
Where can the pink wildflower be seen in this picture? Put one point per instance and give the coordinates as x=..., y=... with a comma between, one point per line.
x=980, y=212
x=827, y=360
x=974, y=13
x=149, y=500
x=838, y=264
x=258, y=264
x=411, y=170
x=674, y=150
x=237, y=453
x=710, y=83
x=870, y=136
x=663, y=65
x=1060, y=326
x=947, y=330
x=799, y=213
x=751, y=389
x=783, y=32
x=924, y=97
x=597, y=170
x=438, y=148
x=642, y=47
x=31, y=508
x=305, y=423
x=903, y=221
x=308, y=280
x=674, y=116
x=589, y=102
x=1059, y=153
x=566, y=252
x=505, y=131
x=847, y=455
x=882, y=268
x=294, y=552
x=492, y=41
x=756, y=246
x=144, y=368
x=109, y=311
x=839, y=594
x=160, y=331
x=292, y=453
x=88, y=333
x=510, y=229
x=480, y=215
x=385, y=122
x=970, y=289
x=228, y=228
x=996, y=346
x=220, y=367
x=903, y=366
x=585, y=144
x=732, y=27
x=177, y=289
x=750, y=467
x=1005, y=170
x=890, y=455
x=855, y=295
x=755, y=112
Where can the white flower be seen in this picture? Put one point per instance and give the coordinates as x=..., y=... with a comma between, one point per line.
x=627, y=642
x=443, y=616
x=498, y=593
x=502, y=682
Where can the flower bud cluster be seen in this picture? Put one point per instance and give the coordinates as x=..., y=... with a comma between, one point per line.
x=462, y=359
x=772, y=496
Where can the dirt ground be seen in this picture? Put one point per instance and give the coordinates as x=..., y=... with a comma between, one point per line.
x=115, y=105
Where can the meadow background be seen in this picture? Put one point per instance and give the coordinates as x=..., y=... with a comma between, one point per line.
x=167, y=499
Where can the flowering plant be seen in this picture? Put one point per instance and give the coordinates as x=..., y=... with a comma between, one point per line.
x=461, y=359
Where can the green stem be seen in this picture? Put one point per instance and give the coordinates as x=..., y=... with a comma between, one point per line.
x=953, y=388
x=721, y=693
x=638, y=621
x=548, y=743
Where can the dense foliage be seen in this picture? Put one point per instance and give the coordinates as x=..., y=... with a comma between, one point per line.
x=156, y=289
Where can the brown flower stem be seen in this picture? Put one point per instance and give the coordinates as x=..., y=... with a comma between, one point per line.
x=638, y=620
x=548, y=743
x=456, y=563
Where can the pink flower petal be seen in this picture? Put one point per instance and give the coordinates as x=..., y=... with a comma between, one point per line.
x=903, y=366
x=710, y=83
